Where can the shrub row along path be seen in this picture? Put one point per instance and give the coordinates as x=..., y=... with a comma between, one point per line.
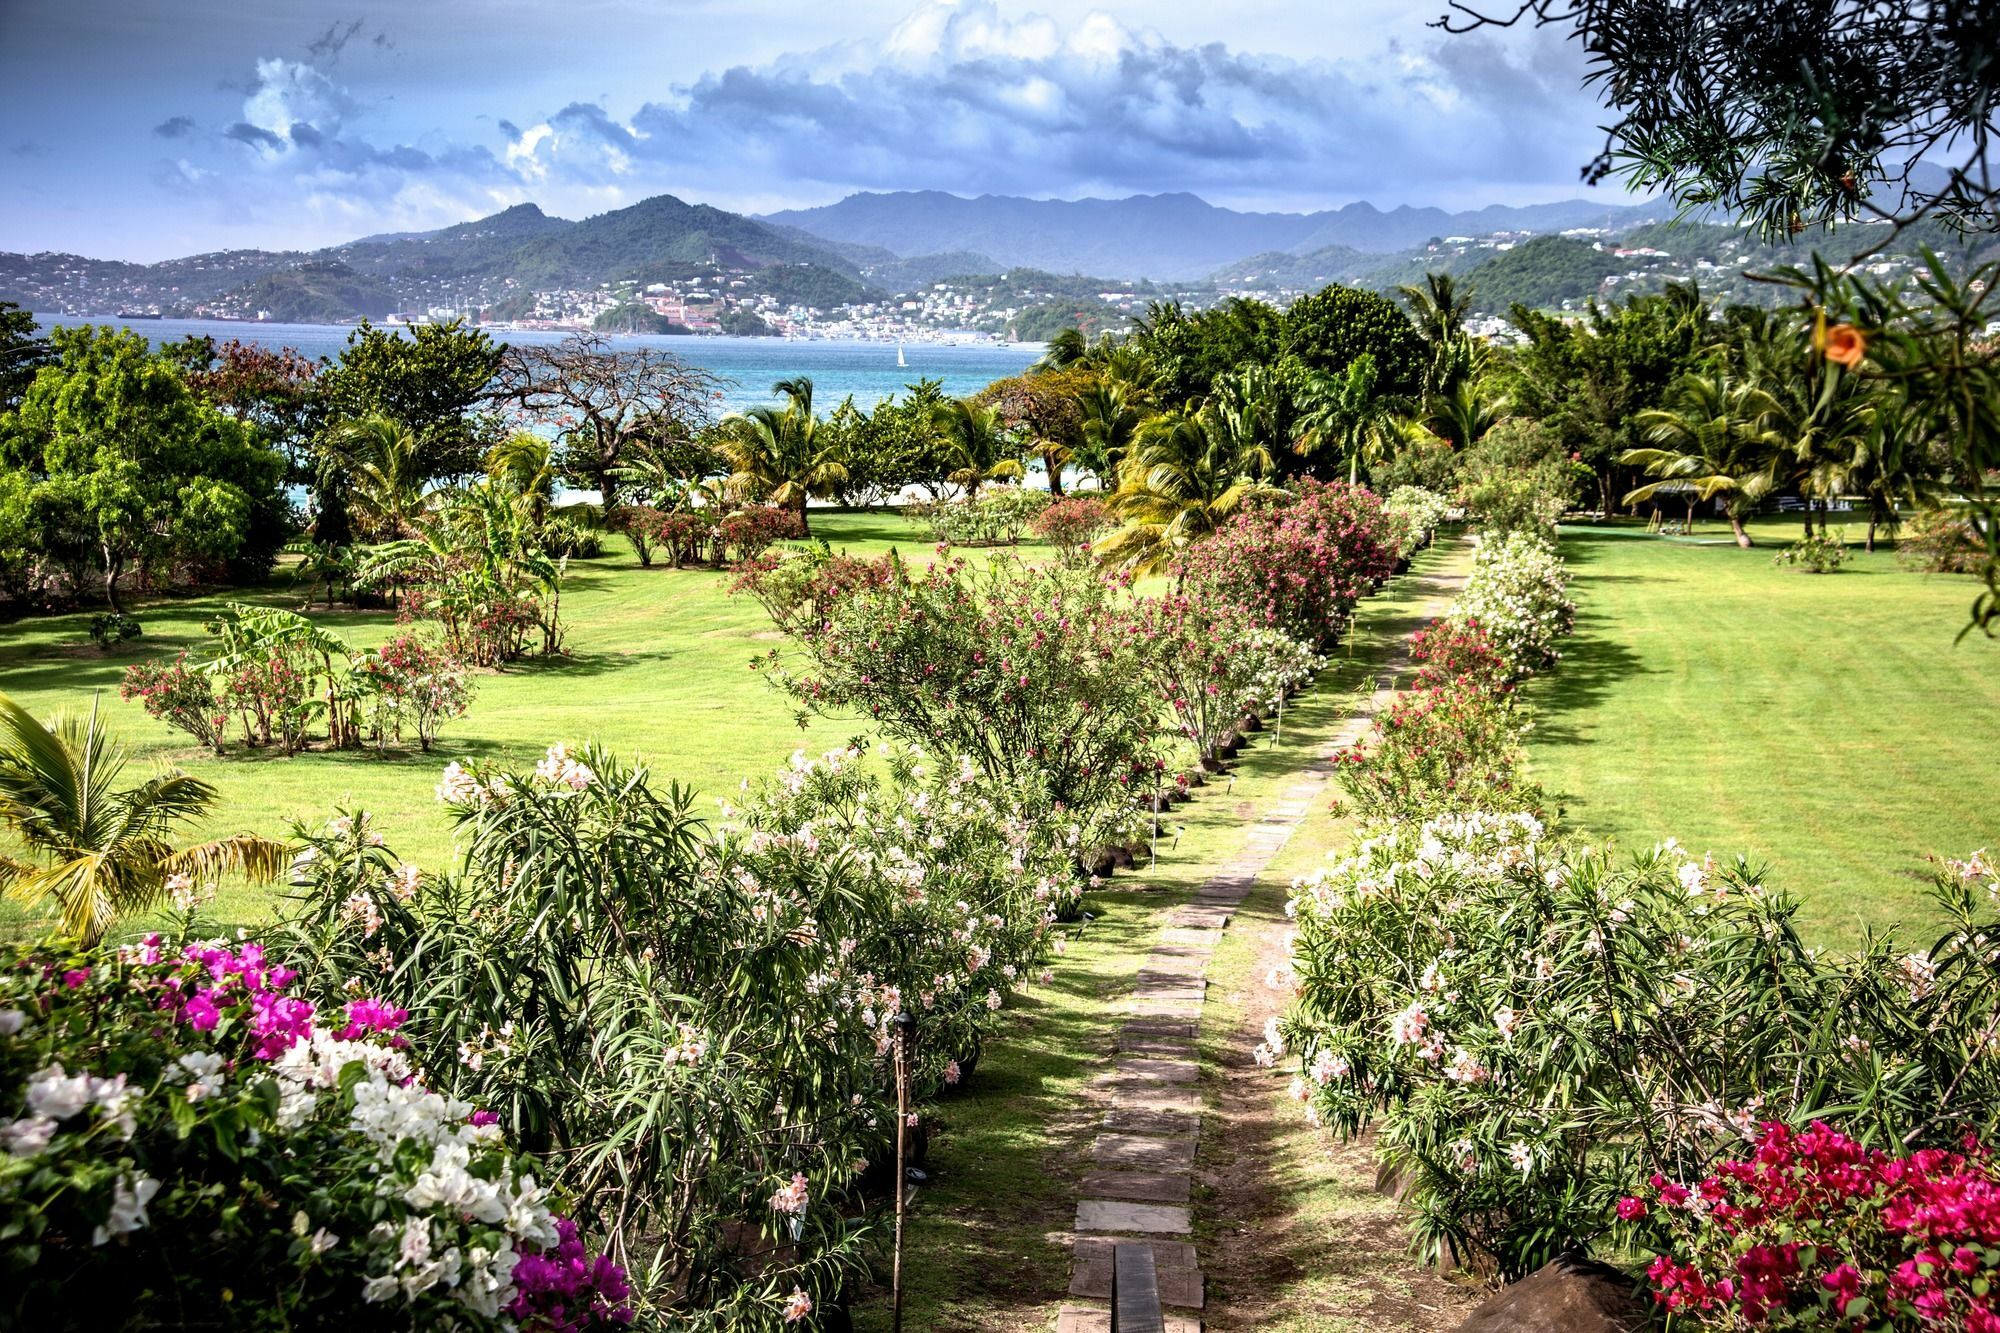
x=1139, y=1184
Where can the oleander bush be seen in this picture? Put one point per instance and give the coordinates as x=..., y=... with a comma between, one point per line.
x=1071, y=526
x=995, y=516
x=696, y=1026
x=1452, y=746
x=1518, y=594
x=1298, y=565
x=1212, y=666
x=1537, y=1028
x=1941, y=540
x=1417, y=515
x=1815, y=553
x=1028, y=669
x=190, y=1142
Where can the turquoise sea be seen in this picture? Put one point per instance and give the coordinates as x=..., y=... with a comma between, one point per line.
x=748, y=366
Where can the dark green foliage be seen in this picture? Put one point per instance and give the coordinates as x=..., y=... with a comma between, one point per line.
x=744, y=323
x=320, y=292
x=636, y=317
x=428, y=380
x=1543, y=272
x=1189, y=352
x=897, y=445
x=22, y=353
x=810, y=284
x=1329, y=329
x=114, y=463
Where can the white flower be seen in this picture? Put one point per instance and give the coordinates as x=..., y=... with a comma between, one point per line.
x=27, y=1136
x=11, y=1022
x=377, y=1289
x=1405, y=1028
x=458, y=786
x=57, y=1095
x=1522, y=1156
x=1507, y=1021
x=128, y=1207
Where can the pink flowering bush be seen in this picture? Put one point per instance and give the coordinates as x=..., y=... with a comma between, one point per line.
x=996, y=516
x=181, y=697
x=1071, y=525
x=1459, y=649
x=1297, y=566
x=1452, y=746
x=1213, y=665
x=800, y=587
x=1535, y=1028
x=1810, y=1229
x=182, y=1129
x=413, y=681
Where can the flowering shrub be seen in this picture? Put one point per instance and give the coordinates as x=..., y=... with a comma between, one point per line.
x=1071, y=525
x=920, y=893
x=411, y=680
x=637, y=1000
x=1518, y=594
x=995, y=516
x=1454, y=746
x=746, y=533
x=1030, y=670
x=1417, y=515
x=1941, y=540
x=799, y=588
x=1211, y=666
x=1813, y=1229
x=1298, y=566
x=184, y=699
x=679, y=533
x=1448, y=650
x=1538, y=1030
x=183, y=1131
x=1814, y=554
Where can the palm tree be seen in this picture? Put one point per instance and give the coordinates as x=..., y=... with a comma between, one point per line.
x=1462, y=415
x=1071, y=348
x=977, y=444
x=95, y=848
x=1438, y=307
x=1345, y=412
x=781, y=452
x=1185, y=473
x=1711, y=439
x=386, y=484
x=523, y=464
x=1892, y=462
x=1111, y=418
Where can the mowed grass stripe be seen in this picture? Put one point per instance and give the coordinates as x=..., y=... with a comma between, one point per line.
x=1826, y=725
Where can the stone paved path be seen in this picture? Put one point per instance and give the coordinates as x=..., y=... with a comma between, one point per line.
x=1142, y=1163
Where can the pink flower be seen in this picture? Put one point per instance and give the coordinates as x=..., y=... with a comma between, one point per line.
x=1630, y=1209
x=798, y=1306
x=792, y=1198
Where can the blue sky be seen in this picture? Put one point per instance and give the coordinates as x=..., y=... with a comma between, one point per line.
x=138, y=130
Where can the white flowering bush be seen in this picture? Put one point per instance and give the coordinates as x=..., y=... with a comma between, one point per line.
x=1536, y=1029
x=919, y=893
x=1416, y=514
x=1518, y=596
x=695, y=1024
x=182, y=1132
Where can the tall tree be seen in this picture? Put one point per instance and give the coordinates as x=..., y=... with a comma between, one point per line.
x=603, y=402
x=1185, y=473
x=977, y=445
x=1345, y=414
x=1710, y=441
x=429, y=378
x=781, y=452
x=145, y=474
x=23, y=351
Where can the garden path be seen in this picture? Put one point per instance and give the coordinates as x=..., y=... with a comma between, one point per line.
x=1140, y=1185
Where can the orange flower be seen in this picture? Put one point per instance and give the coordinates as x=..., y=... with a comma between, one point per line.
x=1842, y=344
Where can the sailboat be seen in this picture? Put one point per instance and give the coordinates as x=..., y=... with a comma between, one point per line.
x=899, y=356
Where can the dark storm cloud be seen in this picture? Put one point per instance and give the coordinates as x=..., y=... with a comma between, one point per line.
x=175, y=127
x=255, y=135
x=962, y=97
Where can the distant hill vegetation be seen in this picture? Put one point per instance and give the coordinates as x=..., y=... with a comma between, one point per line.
x=1164, y=236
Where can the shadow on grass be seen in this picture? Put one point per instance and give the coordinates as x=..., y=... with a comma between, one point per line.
x=1592, y=660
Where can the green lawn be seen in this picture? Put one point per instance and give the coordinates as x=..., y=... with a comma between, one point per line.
x=1825, y=725
x=658, y=667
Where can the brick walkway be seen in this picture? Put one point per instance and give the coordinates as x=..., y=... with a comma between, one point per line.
x=1142, y=1161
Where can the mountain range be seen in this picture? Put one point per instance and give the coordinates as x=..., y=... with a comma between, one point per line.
x=1170, y=237
x=865, y=247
